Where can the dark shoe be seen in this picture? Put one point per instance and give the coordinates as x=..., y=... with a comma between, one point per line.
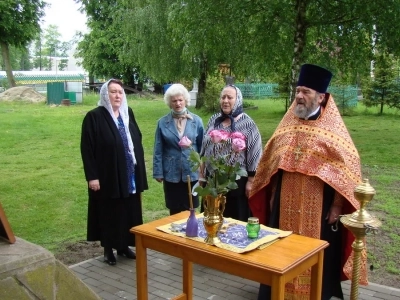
x=128, y=253
x=109, y=256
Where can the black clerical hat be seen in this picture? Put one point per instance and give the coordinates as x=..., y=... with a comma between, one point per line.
x=314, y=77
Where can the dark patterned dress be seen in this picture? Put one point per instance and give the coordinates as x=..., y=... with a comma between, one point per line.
x=129, y=160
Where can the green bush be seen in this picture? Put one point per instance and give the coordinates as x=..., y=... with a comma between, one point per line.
x=215, y=84
x=4, y=84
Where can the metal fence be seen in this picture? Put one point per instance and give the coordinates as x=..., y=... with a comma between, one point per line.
x=345, y=96
x=258, y=90
x=39, y=79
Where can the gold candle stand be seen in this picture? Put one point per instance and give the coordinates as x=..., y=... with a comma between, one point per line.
x=360, y=223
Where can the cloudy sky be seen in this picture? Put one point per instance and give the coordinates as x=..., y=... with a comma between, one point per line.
x=64, y=14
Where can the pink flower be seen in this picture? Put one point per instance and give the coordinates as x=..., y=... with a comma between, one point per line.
x=238, y=144
x=238, y=135
x=185, y=142
x=225, y=135
x=218, y=136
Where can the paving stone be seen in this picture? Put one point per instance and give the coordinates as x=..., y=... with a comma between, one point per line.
x=165, y=281
x=396, y=293
x=108, y=296
x=92, y=282
x=80, y=270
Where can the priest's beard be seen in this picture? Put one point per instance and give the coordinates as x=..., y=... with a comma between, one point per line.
x=306, y=108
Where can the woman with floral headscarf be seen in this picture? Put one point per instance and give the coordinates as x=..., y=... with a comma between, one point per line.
x=113, y=161
x=231, y=118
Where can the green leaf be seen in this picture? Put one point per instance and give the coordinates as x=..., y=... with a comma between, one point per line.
x=242, y=173
x=206, y=191
x=195, y=157
x=232, y=176
x=222, y=179
x=199, y=189
x=194, y=168
x=232, y=185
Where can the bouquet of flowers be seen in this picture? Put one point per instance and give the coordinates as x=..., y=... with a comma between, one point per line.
x=223, y=170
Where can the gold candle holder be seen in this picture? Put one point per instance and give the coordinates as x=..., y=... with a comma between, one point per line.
x=360, y=223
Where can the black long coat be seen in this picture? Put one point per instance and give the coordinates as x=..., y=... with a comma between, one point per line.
x=111, y=209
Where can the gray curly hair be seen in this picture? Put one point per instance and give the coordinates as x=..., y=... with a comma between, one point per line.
x=175, y=90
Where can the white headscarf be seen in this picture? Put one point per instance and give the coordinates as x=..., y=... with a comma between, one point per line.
x=123, y=111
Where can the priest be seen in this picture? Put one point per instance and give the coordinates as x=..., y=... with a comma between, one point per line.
x=305, y=180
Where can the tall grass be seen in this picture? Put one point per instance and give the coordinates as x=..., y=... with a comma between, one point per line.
x=43, y=190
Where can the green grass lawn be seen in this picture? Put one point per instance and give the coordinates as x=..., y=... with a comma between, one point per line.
x=43, y=190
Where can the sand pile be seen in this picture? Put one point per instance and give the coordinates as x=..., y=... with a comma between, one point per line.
x=22, y=93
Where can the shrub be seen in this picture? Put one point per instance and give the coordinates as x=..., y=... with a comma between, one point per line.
x=215, y=84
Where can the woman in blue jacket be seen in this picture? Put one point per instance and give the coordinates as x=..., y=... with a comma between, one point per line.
x=170, y=162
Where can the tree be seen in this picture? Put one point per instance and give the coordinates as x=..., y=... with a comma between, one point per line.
x=148, y=40
x=170, y=43
x=38, y=59
x=19, y=59
x=63, y=53
x=202, y=31
x=23, y=59
x=384, y=87
x=48, y=49
x=19, y=24
x=278, y=36
x=102, y=48
x=257, y=38
x=175, y=40
x=51, y=41
x=53, y=48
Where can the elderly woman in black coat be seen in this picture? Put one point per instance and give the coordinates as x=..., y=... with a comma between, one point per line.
x=113, y=161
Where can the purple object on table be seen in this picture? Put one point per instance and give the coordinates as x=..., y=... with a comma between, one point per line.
x=192, y=227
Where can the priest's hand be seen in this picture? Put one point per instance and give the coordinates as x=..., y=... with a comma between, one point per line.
x=334, y=214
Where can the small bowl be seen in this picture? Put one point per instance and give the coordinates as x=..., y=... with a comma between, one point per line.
x=175, y=227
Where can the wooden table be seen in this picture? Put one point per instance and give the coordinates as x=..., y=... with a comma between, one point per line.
x=274, y=265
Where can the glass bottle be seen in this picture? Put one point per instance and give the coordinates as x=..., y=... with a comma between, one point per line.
x=192, y=224
x=252, y=227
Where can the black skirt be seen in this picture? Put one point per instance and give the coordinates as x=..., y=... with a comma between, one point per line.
x=109, y=220
x=177, y=196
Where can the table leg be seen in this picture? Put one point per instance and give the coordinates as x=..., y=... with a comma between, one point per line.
x=316, y=277
x=187, y=278
x=278, y=288
x=141, y=269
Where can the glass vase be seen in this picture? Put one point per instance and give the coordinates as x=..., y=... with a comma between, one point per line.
x=192, y=226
